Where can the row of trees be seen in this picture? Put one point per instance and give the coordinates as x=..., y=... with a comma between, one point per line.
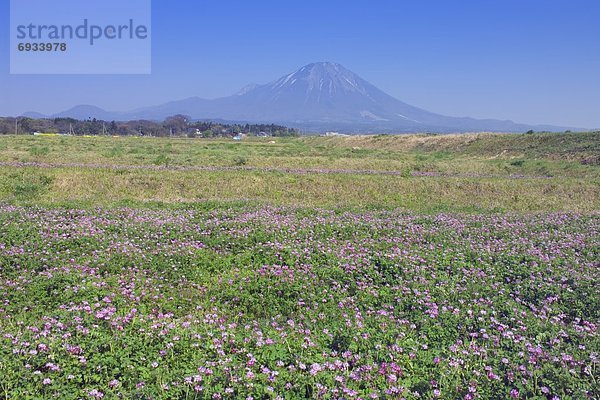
x=177, y=125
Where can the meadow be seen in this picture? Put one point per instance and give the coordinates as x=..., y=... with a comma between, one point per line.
x=416, y=267
x=423, y=173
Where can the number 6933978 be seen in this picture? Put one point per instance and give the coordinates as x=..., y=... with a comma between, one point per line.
x=42, y=46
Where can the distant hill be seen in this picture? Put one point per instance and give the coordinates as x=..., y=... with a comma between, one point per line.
x=318, y=97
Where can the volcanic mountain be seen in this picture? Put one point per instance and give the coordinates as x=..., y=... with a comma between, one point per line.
x=318, y=97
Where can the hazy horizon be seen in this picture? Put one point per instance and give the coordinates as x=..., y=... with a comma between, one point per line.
x=535, y=63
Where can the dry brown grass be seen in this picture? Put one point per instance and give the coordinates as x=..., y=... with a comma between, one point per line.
x=100, y=187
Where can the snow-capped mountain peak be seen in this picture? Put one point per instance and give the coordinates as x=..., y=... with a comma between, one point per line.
x=323, y=80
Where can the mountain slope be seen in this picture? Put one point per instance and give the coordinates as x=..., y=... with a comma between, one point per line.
x=319, y=96
x=87, y=111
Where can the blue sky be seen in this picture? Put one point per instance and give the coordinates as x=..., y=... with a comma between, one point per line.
x=532, y=61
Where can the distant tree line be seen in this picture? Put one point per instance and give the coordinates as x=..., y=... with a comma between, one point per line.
x=177, y=125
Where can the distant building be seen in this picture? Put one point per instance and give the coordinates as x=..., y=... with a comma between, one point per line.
x=334, y=134
x=49, y=134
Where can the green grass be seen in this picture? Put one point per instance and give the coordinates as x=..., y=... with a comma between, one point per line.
x=483, y=153
x=482, y=165
x=166, y=283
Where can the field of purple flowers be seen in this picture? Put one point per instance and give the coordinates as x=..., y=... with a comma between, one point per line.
x=263, y=302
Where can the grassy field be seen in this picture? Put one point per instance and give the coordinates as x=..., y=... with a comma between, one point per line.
x=538, y=154
x=484, y=172
x=404, y=267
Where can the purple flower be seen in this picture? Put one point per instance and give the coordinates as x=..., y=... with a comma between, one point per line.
x=95, y=393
